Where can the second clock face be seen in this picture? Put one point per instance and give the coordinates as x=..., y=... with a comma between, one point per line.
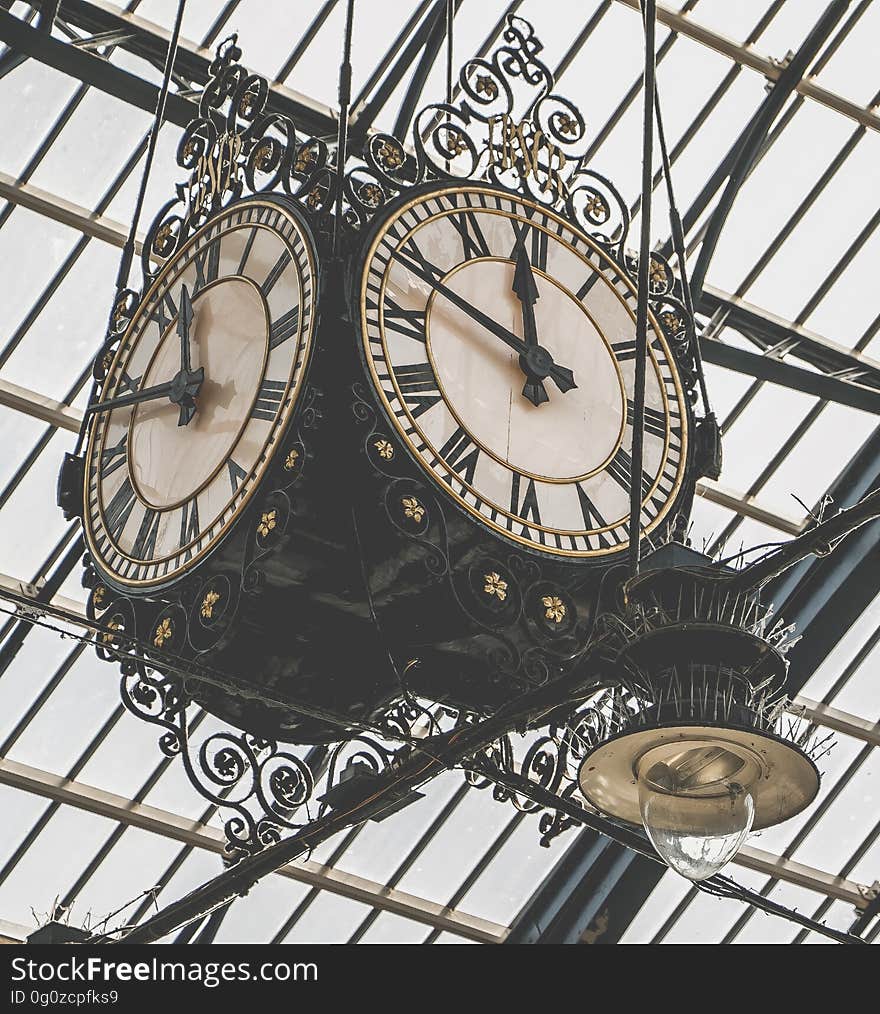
x=502, y=344
x=160, y=493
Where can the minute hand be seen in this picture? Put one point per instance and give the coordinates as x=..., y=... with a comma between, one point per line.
x=148, y=394
x=432, y=276
x=562, y=377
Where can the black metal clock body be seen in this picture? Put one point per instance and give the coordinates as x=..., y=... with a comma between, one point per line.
x=497, y=344
x=221, y=545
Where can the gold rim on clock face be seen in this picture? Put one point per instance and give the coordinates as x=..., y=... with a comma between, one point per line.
x=160, y=496
x=554, y=476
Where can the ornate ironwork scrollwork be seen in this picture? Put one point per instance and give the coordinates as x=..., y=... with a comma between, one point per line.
x=164, y=647
x=236, y=146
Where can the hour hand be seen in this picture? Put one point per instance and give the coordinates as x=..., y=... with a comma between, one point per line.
x=562, y=377
x=526, y=290
x=524, y=284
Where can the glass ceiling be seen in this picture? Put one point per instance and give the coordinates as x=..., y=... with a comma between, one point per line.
x=801, y=247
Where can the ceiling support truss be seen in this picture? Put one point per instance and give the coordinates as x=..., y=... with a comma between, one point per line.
x=191, y=832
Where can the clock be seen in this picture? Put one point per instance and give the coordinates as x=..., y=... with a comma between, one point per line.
x=500, y=342
x=199, y=394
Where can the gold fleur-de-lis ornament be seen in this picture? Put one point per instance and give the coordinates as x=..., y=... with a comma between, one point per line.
x=208, y=602
x=554, y=608
x=413, y=509
x=495, y=585
x=268, y=521
x=163, y=633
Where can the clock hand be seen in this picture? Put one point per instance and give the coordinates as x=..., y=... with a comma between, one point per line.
x=526, y=290
x=184, y=321
x=183, y=387
x=148, y=394
x=543, y=364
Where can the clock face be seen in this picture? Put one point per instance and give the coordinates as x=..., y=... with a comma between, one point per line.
x=162, y=491
x=502, y=344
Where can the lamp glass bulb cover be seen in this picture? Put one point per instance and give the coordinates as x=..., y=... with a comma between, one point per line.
x=695, y=812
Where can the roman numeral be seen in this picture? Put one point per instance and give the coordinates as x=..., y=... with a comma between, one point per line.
x=655, y=422
x=145, y=543
x=410, y=323
x=527, y=507
x=620, y=469
x=286, y=325
x=126, y=383
x=411, y=250
x=275, y=273
x=114, y=457
x=269, y=399
x=473, y=242
x=189, y=521
x=164, y=312
x=535, y=242
x=247, y=251
x=588, y=284
x=592, y=518
x=119, y=509
x=236, y=474
x=418, y=386
x=207, y=264
x=455, y=453
x=624, y=350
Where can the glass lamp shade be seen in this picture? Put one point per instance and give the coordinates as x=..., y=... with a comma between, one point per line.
x=695, y=812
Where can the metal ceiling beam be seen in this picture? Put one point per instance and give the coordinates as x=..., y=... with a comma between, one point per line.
x=190, y=832
x=785, y=337
x=38, y=406
x=748, y=507
x=366, y=108
x=840, y=721
x=45, y=21
x=430, y=48
x=573, y=901
x=768, y=67
x=791, y=872
x=91, y=69
x=15, y=586
x=768, y=367
x=150, y=42
x=747, y=153
x=13, y=932
x=825, y=596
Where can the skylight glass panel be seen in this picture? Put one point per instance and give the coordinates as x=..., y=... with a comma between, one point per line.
x=752, y=440
x=41, y=94
x=512, y=877
x=454, y=852
x=817, y=243
x=851, y=72
x=81, y=172
x=814, y=462
x=328, y=920
x=32, y=509
x=64, y=726
x=772, y=192
x=133, y=866
x=382, y=846
x=256, y=916
x=52, y=863
x=62, y=342
x=394, y=929
x=852, y=814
